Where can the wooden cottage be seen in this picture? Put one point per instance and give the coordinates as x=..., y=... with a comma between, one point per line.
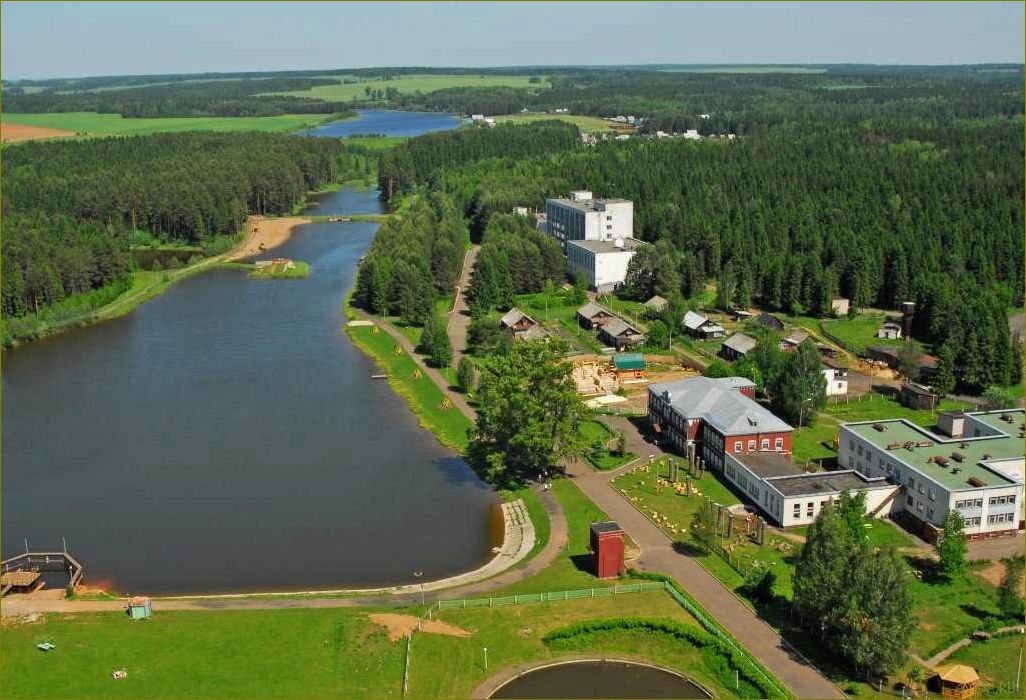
x=593, y=316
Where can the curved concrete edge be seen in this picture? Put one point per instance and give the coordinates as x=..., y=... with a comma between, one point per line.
x=493, y=684
x=517, y=542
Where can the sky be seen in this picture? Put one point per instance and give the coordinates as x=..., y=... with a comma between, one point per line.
x=57, y=39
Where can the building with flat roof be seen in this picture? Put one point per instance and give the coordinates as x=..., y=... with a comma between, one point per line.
x=584, y=218
x=714, y=417
x=976, y=469
x=603, y=263
x=790, y=496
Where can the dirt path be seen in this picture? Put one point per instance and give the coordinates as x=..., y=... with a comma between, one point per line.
x=459, y=316
x=12, y=133
x=264, y=233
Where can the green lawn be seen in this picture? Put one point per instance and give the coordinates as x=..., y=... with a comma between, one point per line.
x=585, y=123
x=857, y=333
x=217, y=654
x=814, y=442
x=376, y=143
x=427, y=82
x=92, y=123
x=425, y=398
x=996, y=661
x=513, y=636
x=878, y=407
x=596, y=432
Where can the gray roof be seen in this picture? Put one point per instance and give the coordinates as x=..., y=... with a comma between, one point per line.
x=657, y=302
x=588, y=204
x=768, y=464
x=720, y=404
x=822, y=483
x=796, y=337
x=739, y=342
x=618, y=326
x=591, y=309
x=600, y=247
x=513, y=316
x=694, y=320
x=535, y=332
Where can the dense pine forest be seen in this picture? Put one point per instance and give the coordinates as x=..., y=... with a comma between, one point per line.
x=413, y=260
x=416, y=161
x=69, y=207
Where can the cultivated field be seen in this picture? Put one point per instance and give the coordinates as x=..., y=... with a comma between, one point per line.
x=24, y=132
x=413, y=83
x=94, y=124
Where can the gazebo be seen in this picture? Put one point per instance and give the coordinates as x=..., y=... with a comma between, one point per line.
x=958, y=681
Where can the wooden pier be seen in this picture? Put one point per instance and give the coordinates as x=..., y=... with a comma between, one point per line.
x=23, y=573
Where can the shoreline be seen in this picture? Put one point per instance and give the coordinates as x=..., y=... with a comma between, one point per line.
x=264, y=233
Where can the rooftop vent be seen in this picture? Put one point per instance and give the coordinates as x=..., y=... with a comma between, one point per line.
x=943, y=461
x=958, y=456
x=924, y=443
x=986, y=455
x=1007, y=417
x=956, y=470
x=879, y=427
x=893, y=445
x=975, y=481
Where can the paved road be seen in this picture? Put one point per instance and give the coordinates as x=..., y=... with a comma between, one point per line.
x=459, y=317
x=657, y=554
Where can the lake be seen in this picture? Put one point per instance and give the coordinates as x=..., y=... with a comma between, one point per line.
x=227, y=436
x=389, y=123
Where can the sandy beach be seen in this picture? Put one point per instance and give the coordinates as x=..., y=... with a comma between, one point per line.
x=262, y=234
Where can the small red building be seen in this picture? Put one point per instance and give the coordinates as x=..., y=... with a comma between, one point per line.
x=607, y=549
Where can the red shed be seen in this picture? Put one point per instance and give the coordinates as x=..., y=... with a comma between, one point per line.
x=607, y=549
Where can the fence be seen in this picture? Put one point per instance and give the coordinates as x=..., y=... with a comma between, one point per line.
x=605, y=592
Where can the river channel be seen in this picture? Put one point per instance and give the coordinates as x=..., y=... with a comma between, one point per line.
x=227, y=436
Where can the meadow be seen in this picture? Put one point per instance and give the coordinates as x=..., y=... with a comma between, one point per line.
x=94, y=124
x=584, y=123
x=427, y=82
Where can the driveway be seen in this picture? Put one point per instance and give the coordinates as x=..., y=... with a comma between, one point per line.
x=459, y=316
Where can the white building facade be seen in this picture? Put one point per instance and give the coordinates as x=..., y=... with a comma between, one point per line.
x=584, y=218
x=603, y=263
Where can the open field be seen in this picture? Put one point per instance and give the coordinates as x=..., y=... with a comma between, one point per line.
x=376, y=143
x=856, y=333
x=11, y=133
x=584, y=123
x=94, y=124
x=427, y=82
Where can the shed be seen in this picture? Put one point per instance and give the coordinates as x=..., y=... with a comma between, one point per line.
x=592, y=316
x=889, y=331
x=770, y=321
x=840, y=305
x=618, y=333
x=139, y=608
x=958, y=681
x=793, y=340
x=918, y=396
x=607, y=549
x=737, y=346
x=629, y=363
x=656, y=304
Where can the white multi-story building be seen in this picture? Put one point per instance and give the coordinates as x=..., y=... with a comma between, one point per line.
x=603, y=263
x=584, y=218
x=974, y=467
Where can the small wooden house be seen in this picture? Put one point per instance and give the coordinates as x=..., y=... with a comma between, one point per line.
x=699, y=326
x=958, y=681
x=593, y=316
x=618, y=333
x=918, y=396
x=655, y=305
x=737, y=346
x=889, y=331
x=770, y=321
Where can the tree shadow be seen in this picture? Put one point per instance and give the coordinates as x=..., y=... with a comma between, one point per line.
x=689, y=549
x=978, y=613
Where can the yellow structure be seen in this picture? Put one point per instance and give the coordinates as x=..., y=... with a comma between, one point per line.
x=958, y=681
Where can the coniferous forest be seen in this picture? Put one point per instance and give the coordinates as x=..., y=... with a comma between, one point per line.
x=69, y=207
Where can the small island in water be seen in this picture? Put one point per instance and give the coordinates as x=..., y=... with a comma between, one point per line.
x=280, y=268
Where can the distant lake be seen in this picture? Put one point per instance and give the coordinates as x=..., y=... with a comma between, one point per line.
x=227, y=436
x=389, y=123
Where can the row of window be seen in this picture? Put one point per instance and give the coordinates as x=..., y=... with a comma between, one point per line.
x=778, y=445
x=810, y=509
x=1001, y=518
x=1002, y=500
x=969, y=503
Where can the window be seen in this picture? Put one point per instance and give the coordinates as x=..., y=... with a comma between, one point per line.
x=737, y=446
x=1011, y=499
x=851, y=461
x=765, y=443
x=911, y=483
x=798, y=510
x=932, y=497
x=860, y=450
x=822, y=504
x=921, y=489
x=976, y=433
x=751, y=444
x=910, y=501
x=929, y=512
x=779, y=443
x=810, y=509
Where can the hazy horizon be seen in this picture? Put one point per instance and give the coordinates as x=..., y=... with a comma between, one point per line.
x=42, y=40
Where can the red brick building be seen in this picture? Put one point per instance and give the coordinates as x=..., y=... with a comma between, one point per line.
x=717, y=416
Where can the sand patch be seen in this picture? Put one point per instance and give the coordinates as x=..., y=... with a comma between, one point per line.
x=995, y=572
x=927, y=626
x=263, y=233
x=399, y=626
x=23, y=132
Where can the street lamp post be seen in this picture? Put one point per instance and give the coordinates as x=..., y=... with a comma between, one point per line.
x=485, y=650
x=417, y=575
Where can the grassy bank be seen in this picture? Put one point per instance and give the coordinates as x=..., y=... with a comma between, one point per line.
x=426, y=400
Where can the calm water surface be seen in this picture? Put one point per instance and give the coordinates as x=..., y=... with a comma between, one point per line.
x=599, y=679
x=228, y=436
x=389, y=123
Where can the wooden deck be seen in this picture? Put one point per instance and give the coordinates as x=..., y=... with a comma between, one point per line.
x=22, y=573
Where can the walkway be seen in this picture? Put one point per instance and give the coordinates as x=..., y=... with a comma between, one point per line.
x=937, y=658
x=459, y=317
x=658, y=554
